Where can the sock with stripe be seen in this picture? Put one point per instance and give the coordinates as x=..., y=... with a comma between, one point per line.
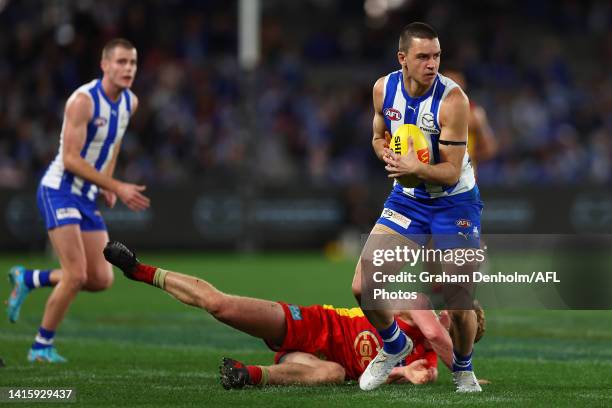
x=462, y=363
x=149, y=274
x=394, y=339
x=37, y=278
x=258, y=375
x=44, y=339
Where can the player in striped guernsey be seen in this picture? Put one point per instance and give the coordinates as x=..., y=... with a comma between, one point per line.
x=445, y=207
x=95, y=119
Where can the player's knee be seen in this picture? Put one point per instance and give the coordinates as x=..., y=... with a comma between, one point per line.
x=336, y=374
x=214, y=304
x=74, y=281
x=330, y=374
x=99, y=283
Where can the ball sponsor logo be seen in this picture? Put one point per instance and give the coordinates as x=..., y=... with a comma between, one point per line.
x=423, y=155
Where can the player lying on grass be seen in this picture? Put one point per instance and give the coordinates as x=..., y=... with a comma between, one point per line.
x=314, y=344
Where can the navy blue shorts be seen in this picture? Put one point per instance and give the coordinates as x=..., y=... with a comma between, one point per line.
x=59, y=208
x=451, y=222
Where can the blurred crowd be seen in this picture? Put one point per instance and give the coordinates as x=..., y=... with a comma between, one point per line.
x=541, y=69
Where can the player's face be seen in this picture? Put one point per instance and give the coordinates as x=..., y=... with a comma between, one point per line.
x=120, y=67
x=421, y=60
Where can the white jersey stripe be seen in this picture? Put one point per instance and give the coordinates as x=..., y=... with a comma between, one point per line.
x=426, y=108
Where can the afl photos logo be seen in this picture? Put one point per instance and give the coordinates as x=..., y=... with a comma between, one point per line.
x=392, y=114
x=366, y=347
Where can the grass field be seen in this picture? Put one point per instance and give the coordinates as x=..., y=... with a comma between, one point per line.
x=135, y=346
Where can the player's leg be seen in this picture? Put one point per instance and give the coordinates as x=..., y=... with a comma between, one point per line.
x=23, y=281
x=456, y=227
x=465, y=326
x=257, y=317
x=307, y=369
x=294, y=368
x=396, y=344
x=381, y=237
x=68, y=245
x=99, y=271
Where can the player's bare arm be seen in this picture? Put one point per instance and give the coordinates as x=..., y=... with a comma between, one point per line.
x=110, y=198
x=381, y=136
x=435, y=333
x=79, y=111
x=454, y=114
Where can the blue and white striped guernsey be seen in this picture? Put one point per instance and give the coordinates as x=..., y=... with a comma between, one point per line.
x=399, y=108
x=104, y=131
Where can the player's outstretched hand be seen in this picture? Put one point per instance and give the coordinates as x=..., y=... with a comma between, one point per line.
x=417, y=372
x=130, y=195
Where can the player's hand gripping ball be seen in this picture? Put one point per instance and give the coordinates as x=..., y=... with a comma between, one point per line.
x=400, y=144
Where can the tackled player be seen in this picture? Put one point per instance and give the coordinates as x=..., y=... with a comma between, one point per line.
x=313, y=344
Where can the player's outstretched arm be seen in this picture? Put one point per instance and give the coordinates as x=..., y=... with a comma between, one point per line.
x=79, y=111
x=260, y=318
x=435, y=333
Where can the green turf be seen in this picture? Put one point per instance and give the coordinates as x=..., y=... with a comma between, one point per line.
x=135, y=346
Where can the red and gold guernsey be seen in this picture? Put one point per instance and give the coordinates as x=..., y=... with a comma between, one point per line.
x=342, y=335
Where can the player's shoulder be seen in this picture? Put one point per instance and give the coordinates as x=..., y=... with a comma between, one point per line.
x=80, y=103
x=381, y=84
x=453, y=97
x=378, y=91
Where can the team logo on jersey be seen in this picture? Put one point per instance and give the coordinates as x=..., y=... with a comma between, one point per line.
x=100, y=121
x=366, y=346
x=428, y=124
x=463, y=223
x=296, y=313
x=392, y=114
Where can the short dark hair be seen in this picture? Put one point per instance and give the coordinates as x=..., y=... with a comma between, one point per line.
x=415, y=30
x=114, y=43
